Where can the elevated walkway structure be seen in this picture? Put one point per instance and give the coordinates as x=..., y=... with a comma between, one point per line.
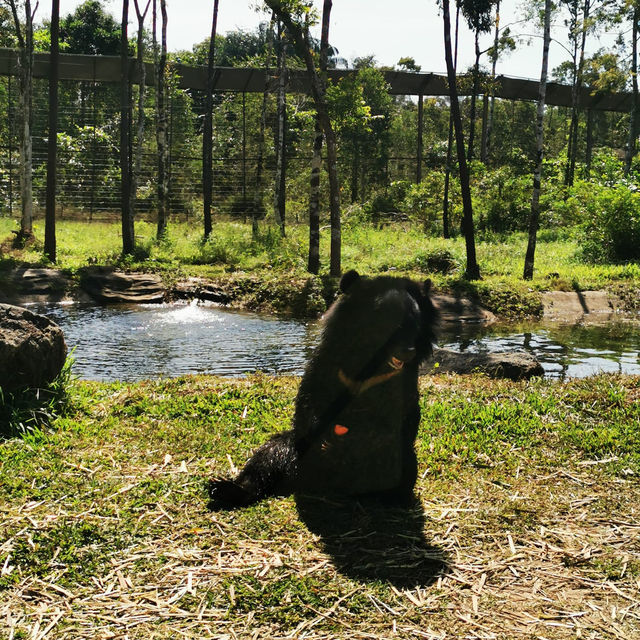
x=252, y=80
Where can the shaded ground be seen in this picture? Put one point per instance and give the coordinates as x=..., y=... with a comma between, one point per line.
x=527, y=523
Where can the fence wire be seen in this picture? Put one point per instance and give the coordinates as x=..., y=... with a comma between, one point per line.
x=88, y=180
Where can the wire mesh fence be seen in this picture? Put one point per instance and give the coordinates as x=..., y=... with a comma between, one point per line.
x=88, y=168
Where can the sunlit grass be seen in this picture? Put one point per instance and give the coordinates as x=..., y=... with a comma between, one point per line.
x=401, y=249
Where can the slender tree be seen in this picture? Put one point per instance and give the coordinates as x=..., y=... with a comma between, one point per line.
x=207, y=131
x=535, y=198
x=579, y=23
x=447, y=169
x=489, y=104
x=52, y=142
x=279, y=198
x=301, y=38
x=142, y=90
x=478, y=16
x=24, y=35
x=472, y=270
x=128, y=236
x=630, y=150
x=316, y=162
x=257, y=199
x=162, y=120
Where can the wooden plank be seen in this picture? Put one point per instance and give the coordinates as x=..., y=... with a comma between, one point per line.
x=252, y=80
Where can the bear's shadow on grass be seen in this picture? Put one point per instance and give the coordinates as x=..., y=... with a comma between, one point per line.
x=368, y=541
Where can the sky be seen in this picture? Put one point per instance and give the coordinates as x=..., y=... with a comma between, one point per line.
x=388, y=30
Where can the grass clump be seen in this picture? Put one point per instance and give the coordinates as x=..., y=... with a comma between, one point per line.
x=27, y=411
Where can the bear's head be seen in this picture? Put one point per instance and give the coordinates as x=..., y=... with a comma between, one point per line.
x=378, y=326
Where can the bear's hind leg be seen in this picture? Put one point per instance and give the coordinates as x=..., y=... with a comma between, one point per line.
x=271, y=470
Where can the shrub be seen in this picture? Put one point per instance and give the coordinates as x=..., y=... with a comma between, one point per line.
x=423, y=201
x=437, y=261
x=503, y=200
x=246, y=208
x=387, y=200
x=612, y=229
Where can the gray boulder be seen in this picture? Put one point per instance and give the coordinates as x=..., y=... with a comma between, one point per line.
x=105, y=285
x=34, y=284
x=32, y=349
x=456, y=310
x=200, y=289
x=515, y=365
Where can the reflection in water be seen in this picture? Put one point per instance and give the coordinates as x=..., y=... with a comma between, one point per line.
x=132, y=342
x=563, y=350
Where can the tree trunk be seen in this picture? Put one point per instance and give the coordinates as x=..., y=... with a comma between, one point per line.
x=485, y=124
x=474, y=98
x=314, y=201
x=25, y=60
x=207, y=130
x=572, y=151
x=52, y=142
x=128, y=237
x=535, y=198
x=589, y=150
x=630, y=151
x=494, y=61
x=473, y=271
x=447, y=171
x=162, y=124
x=257, y=199
x=420, y=143
x=140, y=120
x=279, y=203
x=316, y=162
x=303, y=45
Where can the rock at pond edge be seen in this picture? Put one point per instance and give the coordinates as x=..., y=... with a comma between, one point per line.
x=32, y=349
x=106, y=285
x=515, y=365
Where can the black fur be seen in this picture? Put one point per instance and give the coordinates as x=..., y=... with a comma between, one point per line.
x=357, y=414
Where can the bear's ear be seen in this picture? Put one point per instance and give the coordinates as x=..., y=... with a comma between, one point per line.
x=426, y=286
x=347, y=280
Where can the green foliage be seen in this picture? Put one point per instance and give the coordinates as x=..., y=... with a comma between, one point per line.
x=26, y=412
x=389, y=200
x=501, y=199
x=361, y=109
x=90, y=30
x=437, y=261
x=423, y=201
x=612, y=228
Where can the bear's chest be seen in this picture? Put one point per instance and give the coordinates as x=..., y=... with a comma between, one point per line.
x=360, y=449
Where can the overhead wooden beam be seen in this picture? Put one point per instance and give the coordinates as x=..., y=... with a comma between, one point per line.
x=252, y=80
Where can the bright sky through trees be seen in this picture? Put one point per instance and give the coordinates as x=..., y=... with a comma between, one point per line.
x=389, y=31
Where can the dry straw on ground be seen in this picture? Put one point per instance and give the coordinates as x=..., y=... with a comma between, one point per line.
x=546, y=555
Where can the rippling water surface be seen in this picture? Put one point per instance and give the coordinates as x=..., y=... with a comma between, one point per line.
x=133, y=342
x=563, y=350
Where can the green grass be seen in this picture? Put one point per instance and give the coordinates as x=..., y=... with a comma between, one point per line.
x=527, y=515
x=269, y=273
x=402, y=248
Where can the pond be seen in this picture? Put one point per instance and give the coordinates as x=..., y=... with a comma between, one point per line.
x=134, y=342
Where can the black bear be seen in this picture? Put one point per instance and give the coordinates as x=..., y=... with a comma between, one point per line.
x=356, y=413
